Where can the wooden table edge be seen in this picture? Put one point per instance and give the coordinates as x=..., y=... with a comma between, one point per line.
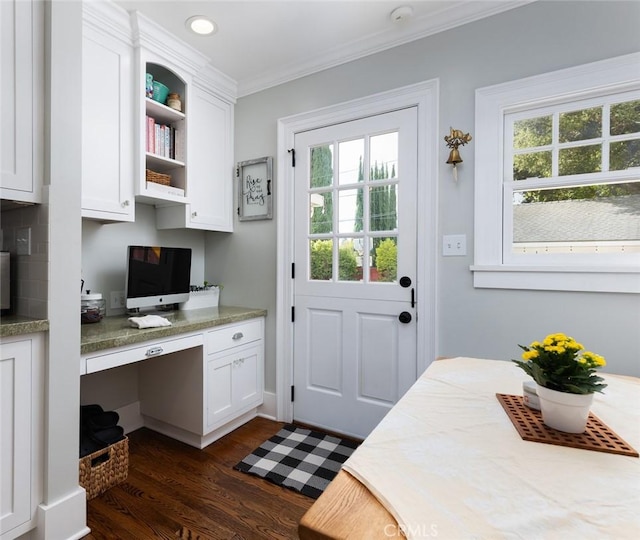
x=347, y=510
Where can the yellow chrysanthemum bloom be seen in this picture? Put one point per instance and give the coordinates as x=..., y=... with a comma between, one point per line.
x=594, y=359
x=528, y=355
x=574, y=346
x=554, y=349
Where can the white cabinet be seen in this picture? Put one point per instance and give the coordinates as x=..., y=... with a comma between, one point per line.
x=210, y=167
x=21, y=403
x=162, y=131
x=196, y=160
x=234, y=384
x=21, y=100
x=198, y=395
x=107, y=114
x=162, y=173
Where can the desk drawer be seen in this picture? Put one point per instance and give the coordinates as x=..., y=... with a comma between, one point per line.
x=233, y=335
x=151, y=349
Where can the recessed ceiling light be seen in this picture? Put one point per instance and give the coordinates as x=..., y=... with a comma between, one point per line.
x=201, y=25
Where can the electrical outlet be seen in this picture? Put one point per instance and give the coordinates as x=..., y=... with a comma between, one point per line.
x=454, y=245
x=23, y=241
x=118, y=300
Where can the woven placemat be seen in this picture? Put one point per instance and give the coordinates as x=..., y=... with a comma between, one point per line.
x=528, y=423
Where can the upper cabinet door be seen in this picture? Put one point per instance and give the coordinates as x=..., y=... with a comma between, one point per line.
x=21, y=100
x=211, y=174
x=108, y=125
x=210, y=187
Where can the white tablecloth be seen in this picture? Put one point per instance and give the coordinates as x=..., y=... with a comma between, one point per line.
x=448, y=463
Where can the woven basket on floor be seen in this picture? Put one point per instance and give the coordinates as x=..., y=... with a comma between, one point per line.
x=105, y=468
x=158, y=178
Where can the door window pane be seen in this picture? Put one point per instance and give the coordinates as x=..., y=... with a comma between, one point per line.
x=321, y=260
x=321, y=174
x=580, y=160
x=532, y=165
x=320, y=213
x=383, y=156
x=383, y=209
x=350, y=157
x=625, y=118
x=384, y=259
x=532, y=132
x=350, y=210
x=350, y=260
x=581, y=125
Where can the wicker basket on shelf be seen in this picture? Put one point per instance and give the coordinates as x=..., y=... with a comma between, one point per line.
x=158, y=178
x=105, y=468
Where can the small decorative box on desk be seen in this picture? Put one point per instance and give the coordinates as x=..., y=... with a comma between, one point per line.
x=203, y=298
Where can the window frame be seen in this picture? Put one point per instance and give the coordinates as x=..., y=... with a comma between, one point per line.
x=492, y=268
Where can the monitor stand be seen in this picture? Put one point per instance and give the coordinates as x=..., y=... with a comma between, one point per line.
x=162, y=311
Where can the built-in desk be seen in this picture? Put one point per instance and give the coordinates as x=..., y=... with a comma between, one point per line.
x=200, y=378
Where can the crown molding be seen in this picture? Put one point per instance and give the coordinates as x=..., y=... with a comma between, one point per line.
x=149, y=35
x=108, y=18
x=446, y=19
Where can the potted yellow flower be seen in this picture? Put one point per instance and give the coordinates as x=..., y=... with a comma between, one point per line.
x=566, y=379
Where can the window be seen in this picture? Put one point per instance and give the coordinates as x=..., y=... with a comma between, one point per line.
x=558, y=180
x=365, y=225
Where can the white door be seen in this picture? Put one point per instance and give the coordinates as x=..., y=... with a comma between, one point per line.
x=355, y=270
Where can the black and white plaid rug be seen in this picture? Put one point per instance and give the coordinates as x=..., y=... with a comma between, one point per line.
x=299, y=459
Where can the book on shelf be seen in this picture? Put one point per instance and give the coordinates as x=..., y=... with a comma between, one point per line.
x=163, y=140
x=178, y=145
x=150, y=144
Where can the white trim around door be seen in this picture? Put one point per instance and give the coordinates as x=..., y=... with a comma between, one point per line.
x=425, y=97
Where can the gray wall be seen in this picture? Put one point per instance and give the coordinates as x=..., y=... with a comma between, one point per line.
x=104, y=250
x=534, y=39
x=103, y=270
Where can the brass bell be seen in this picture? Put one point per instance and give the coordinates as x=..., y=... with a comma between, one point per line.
x=454, y=157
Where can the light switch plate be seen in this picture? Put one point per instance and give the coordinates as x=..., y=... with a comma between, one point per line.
x=454, y=245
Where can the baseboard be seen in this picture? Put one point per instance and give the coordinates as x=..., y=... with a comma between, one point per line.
x=131, y=419
x=65, y=518
x=269, y=407
x=193, y=439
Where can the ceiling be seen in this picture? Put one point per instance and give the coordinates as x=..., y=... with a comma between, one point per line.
x=261, y=43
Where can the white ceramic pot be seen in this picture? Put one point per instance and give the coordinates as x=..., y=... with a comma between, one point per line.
x=563, y=411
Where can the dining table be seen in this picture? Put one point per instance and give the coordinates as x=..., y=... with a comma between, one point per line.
x=448, y=461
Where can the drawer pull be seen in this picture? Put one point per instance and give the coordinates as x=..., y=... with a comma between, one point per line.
x=154, y=351
x=237, y=336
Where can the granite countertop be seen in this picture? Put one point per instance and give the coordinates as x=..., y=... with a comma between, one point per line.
x=116, y=331
x=15, y=325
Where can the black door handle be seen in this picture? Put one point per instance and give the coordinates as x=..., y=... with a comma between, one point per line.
x=404, y=317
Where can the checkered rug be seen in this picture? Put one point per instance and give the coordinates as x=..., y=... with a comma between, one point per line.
x=299, y=459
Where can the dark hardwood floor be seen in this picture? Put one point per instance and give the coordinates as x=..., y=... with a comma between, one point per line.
x=176, y=491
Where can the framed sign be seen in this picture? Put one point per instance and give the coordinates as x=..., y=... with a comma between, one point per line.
x=255, y=178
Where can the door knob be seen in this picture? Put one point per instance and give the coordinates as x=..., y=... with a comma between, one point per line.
x=404, y=317
x=405, y=281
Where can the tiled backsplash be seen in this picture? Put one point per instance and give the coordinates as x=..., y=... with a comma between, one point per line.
x=29, y=272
